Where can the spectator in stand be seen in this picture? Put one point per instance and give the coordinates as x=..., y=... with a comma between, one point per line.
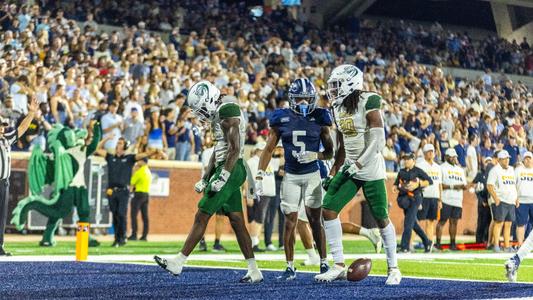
x=133, y=127
x=472, y=158
x=185, y=138
x=112, y=125
x=170, y=131
x=460, y=149
x=513, y=150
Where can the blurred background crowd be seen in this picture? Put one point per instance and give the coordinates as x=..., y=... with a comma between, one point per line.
x=135, y=80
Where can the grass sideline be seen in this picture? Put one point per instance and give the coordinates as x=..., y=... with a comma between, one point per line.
x=466, y=269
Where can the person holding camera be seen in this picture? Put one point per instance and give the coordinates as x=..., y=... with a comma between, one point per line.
x=410, y=182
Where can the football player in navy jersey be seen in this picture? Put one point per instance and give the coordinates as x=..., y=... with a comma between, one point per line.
x=301, y=128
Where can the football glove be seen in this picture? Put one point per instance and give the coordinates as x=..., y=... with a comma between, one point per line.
x=306, y=157
x=350, y=168
x=200, y=186
x=219, y=183
x=326, y=181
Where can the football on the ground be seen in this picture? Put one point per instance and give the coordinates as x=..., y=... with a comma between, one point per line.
x=359, y=269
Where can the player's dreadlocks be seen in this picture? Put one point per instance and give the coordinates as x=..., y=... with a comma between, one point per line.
x=352, y=101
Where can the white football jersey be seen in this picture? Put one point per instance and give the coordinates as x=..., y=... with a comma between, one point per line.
x=354, y=129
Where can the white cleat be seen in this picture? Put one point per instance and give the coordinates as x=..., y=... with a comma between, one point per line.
x=375, y=238
x=253, y=276
x=312, y=261
x=334, y=273
x=173, y=265
x=511, y=269
x=395, y=277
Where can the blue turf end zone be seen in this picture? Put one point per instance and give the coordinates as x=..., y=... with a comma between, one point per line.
x=24, y=280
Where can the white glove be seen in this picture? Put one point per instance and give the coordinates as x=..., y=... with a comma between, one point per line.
x=351, y=168
x=306, y=157
x=200, y=186
x=219, y=183
x=259, y=183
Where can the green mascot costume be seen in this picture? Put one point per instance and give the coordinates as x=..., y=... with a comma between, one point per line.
x=63, y=169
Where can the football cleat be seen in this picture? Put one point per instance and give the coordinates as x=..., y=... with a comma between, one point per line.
x=511, y=268
x=376, y=240
x=289, y=274
x=271, y=247
x=173, y=266
x=395, y=277
x=253, y=276
x=334, y=273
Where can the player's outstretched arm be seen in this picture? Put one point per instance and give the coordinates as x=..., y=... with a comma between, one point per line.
x=327, y=142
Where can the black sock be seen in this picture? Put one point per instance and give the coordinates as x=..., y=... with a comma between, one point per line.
x=217, y=242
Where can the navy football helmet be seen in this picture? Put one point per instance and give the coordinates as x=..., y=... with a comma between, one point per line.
x=302, y=96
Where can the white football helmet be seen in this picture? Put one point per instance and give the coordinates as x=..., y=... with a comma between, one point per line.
x=203, y=99
x=344, y=80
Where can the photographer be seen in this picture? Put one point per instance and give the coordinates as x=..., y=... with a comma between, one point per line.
x=409, y=182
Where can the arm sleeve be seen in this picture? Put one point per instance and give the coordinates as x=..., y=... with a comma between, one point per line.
x=97, y=136
x=12, y=137
x=424, y=176
x=377, y=142
x=492, y=177
x=275, y=119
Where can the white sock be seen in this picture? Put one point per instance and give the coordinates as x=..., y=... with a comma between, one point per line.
x=311, y=252
x=364, y=232
x=181, y=257
x=388, y=234
x=252, y=264
x=526, y=247
x=290, y=264
x=323, y=261
x=255, y=241
x=333, y=229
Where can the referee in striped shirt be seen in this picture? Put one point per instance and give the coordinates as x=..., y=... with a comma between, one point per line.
x=8, y=138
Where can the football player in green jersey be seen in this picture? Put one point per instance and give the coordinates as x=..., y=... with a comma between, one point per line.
x=223, y=178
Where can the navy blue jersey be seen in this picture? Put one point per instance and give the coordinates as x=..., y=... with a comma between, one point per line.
x=299, y=134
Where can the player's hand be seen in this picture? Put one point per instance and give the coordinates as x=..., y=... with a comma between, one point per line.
x=351, y=168
x=218, y=184
x=200, y=186
x=306, y=157
x=326, y=182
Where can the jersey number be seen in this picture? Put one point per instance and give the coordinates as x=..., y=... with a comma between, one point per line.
x=295, y=135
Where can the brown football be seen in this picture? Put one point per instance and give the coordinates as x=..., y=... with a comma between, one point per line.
x=359, y=269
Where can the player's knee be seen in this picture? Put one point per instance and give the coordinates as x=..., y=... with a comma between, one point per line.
x=329, y=214
x=382, y=223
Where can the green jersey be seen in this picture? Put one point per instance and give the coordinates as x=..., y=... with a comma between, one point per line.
x=228, y=109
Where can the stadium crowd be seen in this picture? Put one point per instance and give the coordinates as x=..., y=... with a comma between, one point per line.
x=135, y=83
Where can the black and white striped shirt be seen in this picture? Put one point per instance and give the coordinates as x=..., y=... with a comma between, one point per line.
x=6, y=141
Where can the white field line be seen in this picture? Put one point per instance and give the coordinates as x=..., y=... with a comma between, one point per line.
x=262, y=257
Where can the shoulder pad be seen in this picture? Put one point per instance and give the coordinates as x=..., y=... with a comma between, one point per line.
x=373, y=102
x=229, y=110
x=323, y=117
x=279, y=116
